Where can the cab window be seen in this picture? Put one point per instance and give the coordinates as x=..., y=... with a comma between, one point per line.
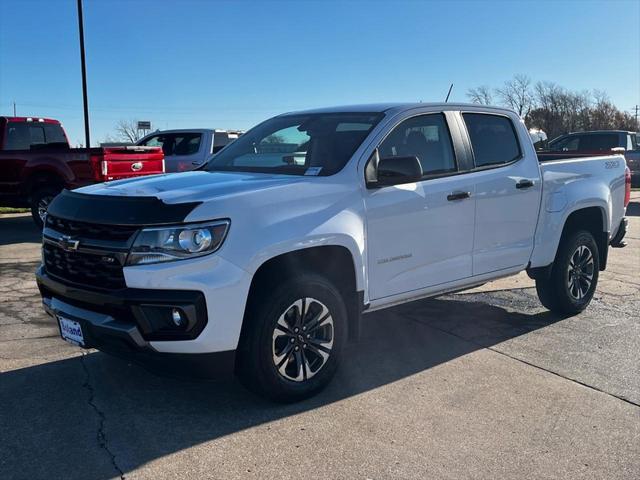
x=567, y=144
x=599, y=142
x=28, y=135
x=493, y=139
x=175, y=143
x=425, y=137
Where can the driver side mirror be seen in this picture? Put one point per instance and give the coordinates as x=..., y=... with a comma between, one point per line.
x=382, y=172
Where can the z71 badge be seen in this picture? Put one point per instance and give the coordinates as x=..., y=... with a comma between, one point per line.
x=612, y=164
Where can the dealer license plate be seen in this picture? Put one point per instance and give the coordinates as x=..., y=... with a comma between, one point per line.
x=71, y=331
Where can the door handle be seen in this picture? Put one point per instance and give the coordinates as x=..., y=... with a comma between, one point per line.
x=458, y=196
x=524, y=184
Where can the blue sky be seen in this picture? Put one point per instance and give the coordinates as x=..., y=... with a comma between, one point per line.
x=231, y=64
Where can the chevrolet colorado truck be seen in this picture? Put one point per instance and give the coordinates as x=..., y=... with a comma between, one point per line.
x=36, y=163
x=263, y=261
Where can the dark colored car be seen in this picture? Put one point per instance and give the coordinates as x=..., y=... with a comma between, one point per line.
x=598, y=142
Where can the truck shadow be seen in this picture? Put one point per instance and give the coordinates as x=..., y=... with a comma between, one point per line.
x=54, y=416
x=19, y=229
x=633, y=209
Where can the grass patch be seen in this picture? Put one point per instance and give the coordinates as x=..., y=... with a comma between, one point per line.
x=13, y=210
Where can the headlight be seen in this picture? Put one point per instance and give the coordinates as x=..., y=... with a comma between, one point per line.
x=165, y=244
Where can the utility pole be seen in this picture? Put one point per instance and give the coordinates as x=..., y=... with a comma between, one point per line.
x=14, y=109
x=637, y=108
x=84, y=77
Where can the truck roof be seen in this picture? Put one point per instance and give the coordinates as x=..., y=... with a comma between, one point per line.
x=31, y=119
x=194, y=130
x=586, y=132
x=397, y=107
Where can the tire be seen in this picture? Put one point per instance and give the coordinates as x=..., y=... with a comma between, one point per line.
x=288, y=366
x=573, y=279
x=40, y=200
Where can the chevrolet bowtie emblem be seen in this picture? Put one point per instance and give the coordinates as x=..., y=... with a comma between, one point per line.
x=68, y=243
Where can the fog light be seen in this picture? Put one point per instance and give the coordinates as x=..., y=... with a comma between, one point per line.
x=178, y=319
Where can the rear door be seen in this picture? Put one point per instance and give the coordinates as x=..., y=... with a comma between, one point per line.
x=420, y=234
x=508, y=188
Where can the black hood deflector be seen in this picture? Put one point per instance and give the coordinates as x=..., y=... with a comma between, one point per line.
x=118, y=210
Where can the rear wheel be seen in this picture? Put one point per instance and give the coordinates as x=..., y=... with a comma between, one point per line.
x=40, y=200
x=292, y=339
x=574, y=275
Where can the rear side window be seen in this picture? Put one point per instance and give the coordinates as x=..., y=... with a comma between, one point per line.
x=425, y=137
x=175, y=143
x=493, y=139
x=36, y=133
x=599, y=142
x=54, y=133
x=187, y=143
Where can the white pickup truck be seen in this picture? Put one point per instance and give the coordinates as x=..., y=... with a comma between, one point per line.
x=187, y=149
x=263, y=261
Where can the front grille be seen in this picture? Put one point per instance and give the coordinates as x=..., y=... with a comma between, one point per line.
x=90, y=231
x=84, y=269
x=86, y=254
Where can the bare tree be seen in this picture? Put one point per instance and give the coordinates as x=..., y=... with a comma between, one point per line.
x=127, y=131
x=481, y=95
x=603, y=114
x=516, y=94
x=556, y=110
x=274, y=138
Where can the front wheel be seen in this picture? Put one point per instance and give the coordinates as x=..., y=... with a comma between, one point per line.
x=292, y=339
x=40, y=200
x=574, y=275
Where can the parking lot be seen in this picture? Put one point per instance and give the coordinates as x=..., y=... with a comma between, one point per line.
x=480, y=384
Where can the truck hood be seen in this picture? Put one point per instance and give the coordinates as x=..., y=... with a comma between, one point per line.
x=196, y=186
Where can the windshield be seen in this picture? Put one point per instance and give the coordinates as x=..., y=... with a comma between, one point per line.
x=305, y=144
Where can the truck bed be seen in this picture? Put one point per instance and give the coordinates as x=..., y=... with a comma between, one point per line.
x=590, y=179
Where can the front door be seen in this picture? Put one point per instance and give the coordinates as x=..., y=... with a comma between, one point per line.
x=420, y=234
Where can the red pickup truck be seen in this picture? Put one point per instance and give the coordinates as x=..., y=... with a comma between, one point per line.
x=36, y=163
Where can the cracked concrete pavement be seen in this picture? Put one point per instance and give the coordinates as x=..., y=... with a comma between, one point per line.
x=482, y=384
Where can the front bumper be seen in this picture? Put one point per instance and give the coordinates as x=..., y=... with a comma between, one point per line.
x=114, y=322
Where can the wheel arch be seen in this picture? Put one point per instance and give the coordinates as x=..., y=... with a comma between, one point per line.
x=43, y=178
x=593, y=219
x=335, y=262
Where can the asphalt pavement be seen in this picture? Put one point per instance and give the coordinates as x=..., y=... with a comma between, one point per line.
x=481, y=384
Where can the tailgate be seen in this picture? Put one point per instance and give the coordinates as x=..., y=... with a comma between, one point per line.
x=130, y=161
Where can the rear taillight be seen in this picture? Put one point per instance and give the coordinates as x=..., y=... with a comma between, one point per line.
x=627, y=186
x=99, y=167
